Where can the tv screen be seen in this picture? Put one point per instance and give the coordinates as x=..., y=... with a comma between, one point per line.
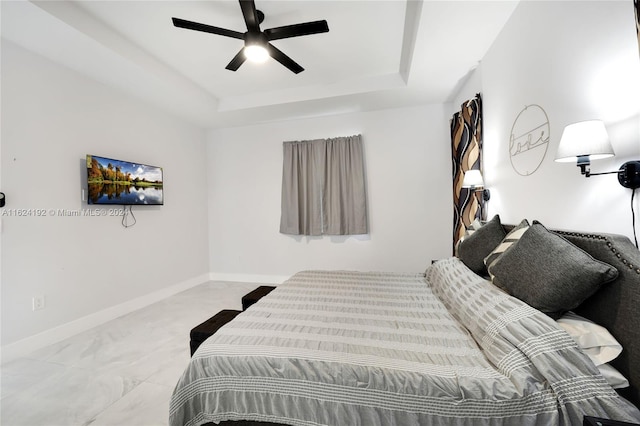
x=122, y=182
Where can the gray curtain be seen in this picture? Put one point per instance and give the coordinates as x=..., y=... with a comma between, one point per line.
x=323, y=187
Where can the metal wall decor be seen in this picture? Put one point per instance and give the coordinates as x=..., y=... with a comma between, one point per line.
x=529, y=140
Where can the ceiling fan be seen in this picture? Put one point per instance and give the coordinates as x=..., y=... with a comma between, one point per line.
x=256, y=40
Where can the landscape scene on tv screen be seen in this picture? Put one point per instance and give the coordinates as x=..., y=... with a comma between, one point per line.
x=122, y=182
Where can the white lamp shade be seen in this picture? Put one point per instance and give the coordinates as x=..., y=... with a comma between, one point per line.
x=472, y=178
x=586, y=138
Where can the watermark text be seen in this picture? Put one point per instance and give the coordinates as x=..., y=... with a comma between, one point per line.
x=30, y=212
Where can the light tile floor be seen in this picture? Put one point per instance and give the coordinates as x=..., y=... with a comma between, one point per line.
x=120, y=373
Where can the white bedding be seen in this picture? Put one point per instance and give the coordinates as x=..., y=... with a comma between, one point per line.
x=349, y=348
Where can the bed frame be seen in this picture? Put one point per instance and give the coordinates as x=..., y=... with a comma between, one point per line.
x=616, y=306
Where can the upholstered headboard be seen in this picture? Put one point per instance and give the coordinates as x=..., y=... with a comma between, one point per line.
x=616, y=306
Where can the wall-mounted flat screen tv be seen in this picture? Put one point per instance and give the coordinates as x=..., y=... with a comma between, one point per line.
x=122, y=182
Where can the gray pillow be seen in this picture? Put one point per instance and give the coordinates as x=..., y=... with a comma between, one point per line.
x=474, y=248
x=549, y=273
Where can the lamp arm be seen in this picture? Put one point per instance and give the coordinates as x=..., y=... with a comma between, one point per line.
x=486, y=194
x=628, y=174
x=605, y=173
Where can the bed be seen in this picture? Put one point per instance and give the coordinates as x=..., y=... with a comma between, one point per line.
x=445, y=347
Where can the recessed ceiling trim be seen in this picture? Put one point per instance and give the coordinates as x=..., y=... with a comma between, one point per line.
x=132, y=47
x=36, y=29
x=301, y=94
x=411, y=25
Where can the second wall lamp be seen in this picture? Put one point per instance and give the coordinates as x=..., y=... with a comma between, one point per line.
x=473, y=180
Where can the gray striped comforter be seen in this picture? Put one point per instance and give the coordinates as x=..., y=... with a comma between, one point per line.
x=349, y=348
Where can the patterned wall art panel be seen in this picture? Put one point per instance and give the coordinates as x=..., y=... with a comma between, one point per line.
x=466, y=153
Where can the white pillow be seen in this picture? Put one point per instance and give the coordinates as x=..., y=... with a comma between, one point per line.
x=594, y=339
x=597, y=343
x=613, y=376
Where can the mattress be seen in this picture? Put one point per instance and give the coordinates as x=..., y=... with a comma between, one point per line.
x=366, y=348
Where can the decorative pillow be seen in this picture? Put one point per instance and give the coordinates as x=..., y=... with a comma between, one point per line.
x=549, y=273
x=513, y=236
x=597, y=343
x=473, y=227
x=474, y=248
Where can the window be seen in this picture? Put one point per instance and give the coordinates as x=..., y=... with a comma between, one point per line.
x=323, y=187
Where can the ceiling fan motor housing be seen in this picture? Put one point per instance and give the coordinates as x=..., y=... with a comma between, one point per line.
x=253, y=38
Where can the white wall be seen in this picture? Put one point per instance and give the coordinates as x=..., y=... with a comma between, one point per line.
x=471, y=86
x=579, y=61
x=409, y=193
x=51, y=118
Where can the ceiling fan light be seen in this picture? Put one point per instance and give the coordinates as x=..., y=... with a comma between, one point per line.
x=256, y=53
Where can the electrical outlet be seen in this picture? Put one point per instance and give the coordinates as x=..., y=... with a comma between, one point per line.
x=38, y=302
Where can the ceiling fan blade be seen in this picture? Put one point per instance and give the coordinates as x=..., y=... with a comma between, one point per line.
x=190, y=25
x=237, y=61
x=284, y=59
x=296, y=30
x=250, y=15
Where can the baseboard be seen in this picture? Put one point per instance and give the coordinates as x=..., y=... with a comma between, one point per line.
x=54, y=335
x=248, y=278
